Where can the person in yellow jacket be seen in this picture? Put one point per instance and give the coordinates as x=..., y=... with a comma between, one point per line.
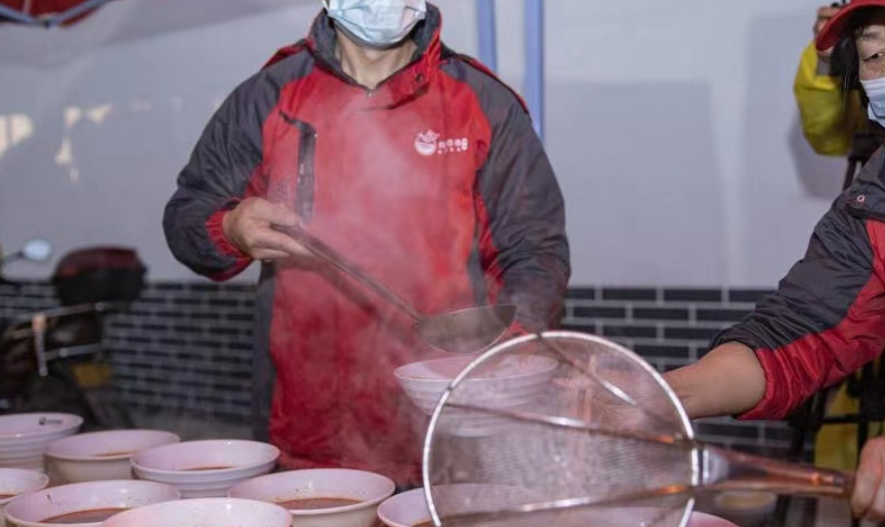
x=831, y=113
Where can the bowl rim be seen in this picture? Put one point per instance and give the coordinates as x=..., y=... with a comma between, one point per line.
x=196, y=502
x=402, y=496
x=75, y=422
x=708, y=516
x=43, y=478
x=49, y=452
x=389, y=483
x=167, y=472
x=551, y=366
x=74, y=486
x=409, y=494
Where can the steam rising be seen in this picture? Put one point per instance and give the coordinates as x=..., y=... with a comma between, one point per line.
x=408, y=219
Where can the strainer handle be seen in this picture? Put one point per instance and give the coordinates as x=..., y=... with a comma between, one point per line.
x=724, y=470
x=336, y=260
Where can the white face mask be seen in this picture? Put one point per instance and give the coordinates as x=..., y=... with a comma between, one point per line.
x=875, y=90
x=377, y=23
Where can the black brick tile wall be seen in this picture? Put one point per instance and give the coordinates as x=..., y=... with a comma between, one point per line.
x=671, y=327
x=188, y=346
x=660, y=313
x=181, y=346
x=629, y=294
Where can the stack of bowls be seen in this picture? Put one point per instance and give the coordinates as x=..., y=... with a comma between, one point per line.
x=205, y=469
x=101, y=456
x=24, y=437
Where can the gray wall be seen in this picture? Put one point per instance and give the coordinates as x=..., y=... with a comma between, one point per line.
x=671, y=125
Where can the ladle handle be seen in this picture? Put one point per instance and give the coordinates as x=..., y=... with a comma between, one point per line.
x=729, y=470
x=333, y=258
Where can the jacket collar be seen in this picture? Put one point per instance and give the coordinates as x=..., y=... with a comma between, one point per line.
x=403, y=85
x=866, y=197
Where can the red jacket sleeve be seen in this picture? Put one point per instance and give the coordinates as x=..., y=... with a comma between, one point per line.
x=827, y=317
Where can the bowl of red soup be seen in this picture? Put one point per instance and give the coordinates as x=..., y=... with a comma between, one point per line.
x=85, y=504
x=205, y=469
x=333, y=497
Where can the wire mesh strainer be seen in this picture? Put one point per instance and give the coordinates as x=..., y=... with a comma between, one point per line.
x=603, y=442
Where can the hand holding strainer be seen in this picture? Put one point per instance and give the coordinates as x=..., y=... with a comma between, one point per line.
x=605, y=443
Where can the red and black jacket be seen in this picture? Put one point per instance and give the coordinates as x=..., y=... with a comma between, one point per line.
x=435, y=182
x=827, y=318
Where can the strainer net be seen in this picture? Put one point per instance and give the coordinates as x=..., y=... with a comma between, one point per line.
x=501, y=444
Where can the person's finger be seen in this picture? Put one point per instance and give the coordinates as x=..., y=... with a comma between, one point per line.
x=827, y=12
x=876, y=512
x=270, y=254
x=824, y=15
x=270, y=239
x=274, y=214
x=867, y=481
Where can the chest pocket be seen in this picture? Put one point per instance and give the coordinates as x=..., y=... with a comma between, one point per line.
x=292, y=166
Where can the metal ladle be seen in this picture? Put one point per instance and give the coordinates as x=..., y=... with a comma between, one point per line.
x=467, y=330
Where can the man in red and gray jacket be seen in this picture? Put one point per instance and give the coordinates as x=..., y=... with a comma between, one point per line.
x=413, y=161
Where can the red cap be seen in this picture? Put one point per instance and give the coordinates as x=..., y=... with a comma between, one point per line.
x=835, y=29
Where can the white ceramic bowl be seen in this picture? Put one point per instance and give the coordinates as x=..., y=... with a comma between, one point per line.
x=15, y=482
x=101, y=455
x=745, y=508
x=24, y=437
x=364, y=491
x=205, y=469
x=409, y=509
x=206, y=512
x=93, y=501
x=405, y=510
x=699, y=519
x=513, y=383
